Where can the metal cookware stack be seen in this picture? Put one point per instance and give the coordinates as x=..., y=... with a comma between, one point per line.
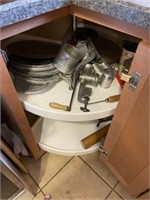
x=31, y=64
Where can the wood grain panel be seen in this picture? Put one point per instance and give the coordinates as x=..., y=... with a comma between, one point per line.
x=131, y=153
x=128, y=98
x=127, y=141
x=141, y=182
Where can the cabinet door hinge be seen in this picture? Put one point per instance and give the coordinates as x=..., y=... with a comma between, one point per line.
x=133, y=80
x=105, y=153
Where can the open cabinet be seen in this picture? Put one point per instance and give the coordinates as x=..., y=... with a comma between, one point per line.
x=126, y=147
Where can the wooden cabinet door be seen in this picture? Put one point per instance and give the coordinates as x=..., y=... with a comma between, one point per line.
x=127, y=142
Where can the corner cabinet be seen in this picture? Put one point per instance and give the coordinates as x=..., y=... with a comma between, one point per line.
x=126, y=145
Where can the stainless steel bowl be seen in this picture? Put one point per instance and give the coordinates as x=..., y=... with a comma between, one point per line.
x=67, y=59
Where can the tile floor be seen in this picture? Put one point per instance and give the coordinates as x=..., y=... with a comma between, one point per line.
x=73, y=178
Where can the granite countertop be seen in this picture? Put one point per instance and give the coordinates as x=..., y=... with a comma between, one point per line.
x=134, y=11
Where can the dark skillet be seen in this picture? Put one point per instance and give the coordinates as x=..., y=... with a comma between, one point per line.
x=34, y=49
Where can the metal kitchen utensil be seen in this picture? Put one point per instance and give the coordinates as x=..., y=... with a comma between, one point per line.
x=66, y=77
x=127, y=56
x=82, y=47
x=74, y=83
x=89, y=57
x=86, y=100
x=88, y=69
x=27, y=88
x=102, y=120
x=32, y=68
x=38, y=81
x=99, y=67
x=92, y=79
x=84, y=91
x=67, y=58
x=41, y=74
x=64, y=107
x=110, y=99
x=107, y=77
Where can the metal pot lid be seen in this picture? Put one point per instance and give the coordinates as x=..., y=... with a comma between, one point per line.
x=34, y=49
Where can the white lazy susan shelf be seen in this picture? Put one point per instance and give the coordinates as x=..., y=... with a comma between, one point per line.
x=63, y=138
x=60, y=93
x=60, y=131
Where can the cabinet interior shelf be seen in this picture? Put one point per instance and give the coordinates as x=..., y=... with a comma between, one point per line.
x=39, y=103
x=63, y=138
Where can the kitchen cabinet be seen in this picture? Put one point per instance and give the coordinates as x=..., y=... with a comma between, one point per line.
x=126, y=145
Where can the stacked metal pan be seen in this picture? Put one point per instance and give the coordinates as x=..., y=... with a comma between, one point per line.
x=32, y=68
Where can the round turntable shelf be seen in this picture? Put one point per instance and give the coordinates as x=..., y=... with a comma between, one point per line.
x=39, y=103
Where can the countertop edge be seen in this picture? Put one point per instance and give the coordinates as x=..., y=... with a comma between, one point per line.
x=19, y=11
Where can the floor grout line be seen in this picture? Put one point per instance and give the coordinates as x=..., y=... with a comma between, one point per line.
x=116, y=185
x=118, y=194
x=36, y=185
x=116, y=191
x=96, y=173
x=58, y=171
x=104, y=180
x=108, y=195
x=41, y=188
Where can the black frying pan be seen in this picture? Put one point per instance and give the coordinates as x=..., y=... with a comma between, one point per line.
x=34, y=49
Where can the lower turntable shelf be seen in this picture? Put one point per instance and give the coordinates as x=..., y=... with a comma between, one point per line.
x=64, y=138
